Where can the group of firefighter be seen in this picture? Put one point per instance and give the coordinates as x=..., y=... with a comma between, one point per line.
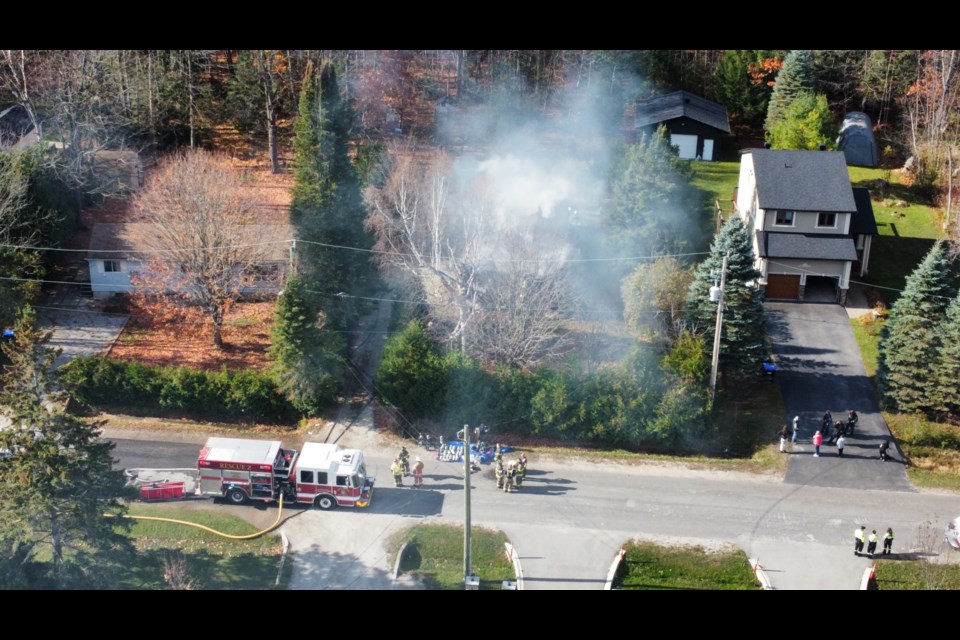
x=510, y=478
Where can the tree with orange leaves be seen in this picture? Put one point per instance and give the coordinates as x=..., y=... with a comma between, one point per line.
x=203, y=246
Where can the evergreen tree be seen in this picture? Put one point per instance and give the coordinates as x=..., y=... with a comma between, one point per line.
x=650, y=190
x=57, y=483
x=413, y=373
x=327, y=205
x=806, y=124
x=743, y=336
x=733, y=86
x=796, y=76
x=945, y=392
x=909, y=342
x=308, y=365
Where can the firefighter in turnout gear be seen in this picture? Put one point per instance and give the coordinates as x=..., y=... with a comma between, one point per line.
x=511, y=477
x=404, y=458
x=500, y=475
x=521, y=469
x=497, y=454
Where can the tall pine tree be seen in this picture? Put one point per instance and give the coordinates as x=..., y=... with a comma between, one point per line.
x=308, y=365
x=743, y=334
x=796, y=76
x=909, y=342
x=327, y=203
x=945, y=393
x=57, y=482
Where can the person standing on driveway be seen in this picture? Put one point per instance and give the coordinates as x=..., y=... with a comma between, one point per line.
x=796, y=428
x=418, y=473
x=841, y=443
x=858, y=537
x=883, y=450
x=784, y=434
x=888, y=541
x=397, y=470
x=817, y=441
x=872, y=543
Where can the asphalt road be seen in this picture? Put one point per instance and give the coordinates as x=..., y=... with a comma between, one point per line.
x=570, y=517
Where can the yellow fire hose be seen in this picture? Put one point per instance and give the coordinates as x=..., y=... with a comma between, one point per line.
x=214, y=531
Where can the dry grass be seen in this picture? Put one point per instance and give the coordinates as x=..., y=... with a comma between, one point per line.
x=189, y=342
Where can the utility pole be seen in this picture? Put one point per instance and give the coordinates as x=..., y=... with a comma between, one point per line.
x=716, y=295
x=467, y=560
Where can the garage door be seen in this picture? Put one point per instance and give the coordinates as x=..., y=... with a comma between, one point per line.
x=687, y=145
x=783, y=287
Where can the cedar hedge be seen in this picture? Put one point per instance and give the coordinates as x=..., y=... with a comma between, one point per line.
x=247, y=395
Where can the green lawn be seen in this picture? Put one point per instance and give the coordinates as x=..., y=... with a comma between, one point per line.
x=210, y=561
x=717, y=182
x=917, y=575
x=435, y=556
x=908, y=227
x=649, y=566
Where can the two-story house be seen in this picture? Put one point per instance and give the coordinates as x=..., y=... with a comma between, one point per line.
x=810, y=227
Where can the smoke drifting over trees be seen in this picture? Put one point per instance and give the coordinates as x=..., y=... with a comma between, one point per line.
x=507, y=243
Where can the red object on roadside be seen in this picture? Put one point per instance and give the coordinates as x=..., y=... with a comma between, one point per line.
x=162, y=491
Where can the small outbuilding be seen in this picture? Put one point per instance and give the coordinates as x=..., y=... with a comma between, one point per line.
x=856, y=140
x=695, y=124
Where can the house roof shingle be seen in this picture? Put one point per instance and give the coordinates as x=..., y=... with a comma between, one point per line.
x=802, y=180
x=806, y=246
x=679, y=104
x=119, y=241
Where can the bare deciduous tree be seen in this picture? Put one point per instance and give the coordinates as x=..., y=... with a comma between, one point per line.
x=410, y=217
x=523, y=308
x=489, y=291
x=203, y=235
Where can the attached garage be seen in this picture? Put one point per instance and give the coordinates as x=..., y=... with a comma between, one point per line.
x=783, y=287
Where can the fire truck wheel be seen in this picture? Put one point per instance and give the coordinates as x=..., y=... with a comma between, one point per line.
x=236, y=496
x=326, y=502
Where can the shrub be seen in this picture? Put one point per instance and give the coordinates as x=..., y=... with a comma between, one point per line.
x=232, y=394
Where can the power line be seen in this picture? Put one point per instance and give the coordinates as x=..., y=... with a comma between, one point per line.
x=147, y=251
x=344, y=247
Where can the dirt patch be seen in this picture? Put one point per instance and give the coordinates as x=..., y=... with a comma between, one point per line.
x=188, y=341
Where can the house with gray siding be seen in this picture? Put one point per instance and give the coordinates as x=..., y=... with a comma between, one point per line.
x=810, y=227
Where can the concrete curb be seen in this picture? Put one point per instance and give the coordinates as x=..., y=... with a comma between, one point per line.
x=760, y=574
x=514, y=557
x=396, y=565
x=612, y=571
x=283, y=556
x=869, y=574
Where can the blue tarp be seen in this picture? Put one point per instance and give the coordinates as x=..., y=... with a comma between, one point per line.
x=452, y=451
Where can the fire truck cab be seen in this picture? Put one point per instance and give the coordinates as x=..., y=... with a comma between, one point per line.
x=330, y=476
x=324, y=475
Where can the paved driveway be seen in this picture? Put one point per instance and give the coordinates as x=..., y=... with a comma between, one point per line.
x=79, y=328
x=819, y=368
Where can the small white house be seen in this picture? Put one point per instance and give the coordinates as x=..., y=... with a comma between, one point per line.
x=115, y=253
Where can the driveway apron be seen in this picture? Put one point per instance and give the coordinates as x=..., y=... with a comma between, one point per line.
x=820, y=368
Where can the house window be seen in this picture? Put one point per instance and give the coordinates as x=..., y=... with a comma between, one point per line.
x=111, y=266
x=827, y=220
x=784, y=219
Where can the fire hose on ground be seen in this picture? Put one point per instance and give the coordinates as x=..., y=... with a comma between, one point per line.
x=230, y=536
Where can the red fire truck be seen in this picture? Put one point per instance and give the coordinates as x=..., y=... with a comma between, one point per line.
x=325, y=475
